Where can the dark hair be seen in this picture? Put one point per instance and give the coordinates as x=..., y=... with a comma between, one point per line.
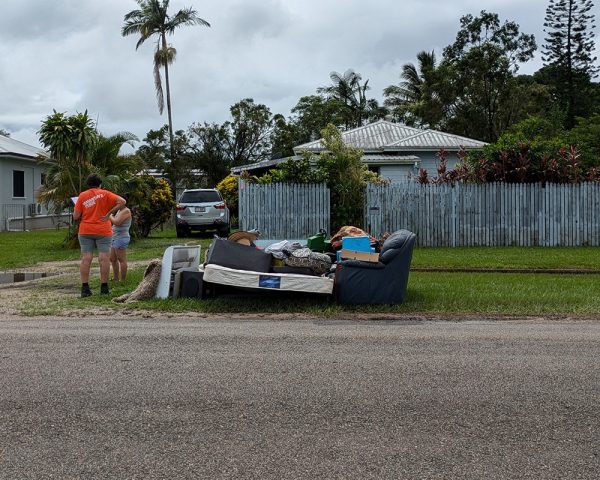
x=93, y=180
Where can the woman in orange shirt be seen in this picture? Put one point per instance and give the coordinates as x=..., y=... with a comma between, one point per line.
x=93, y=208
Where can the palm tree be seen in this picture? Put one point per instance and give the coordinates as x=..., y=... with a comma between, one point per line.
x=416, y=99
x=70, y=141
x=120, y=172
x=77, y=149
x=151, y=20
x=347, y=89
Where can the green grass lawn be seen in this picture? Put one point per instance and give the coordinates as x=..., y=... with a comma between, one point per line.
x=433, y=293
x=22, y=249
x=508, y=257
x=428, y=292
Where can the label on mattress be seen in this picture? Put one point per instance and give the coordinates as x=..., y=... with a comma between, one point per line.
x=269, y=281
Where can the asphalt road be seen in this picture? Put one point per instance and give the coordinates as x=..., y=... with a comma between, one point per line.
x=261, y=399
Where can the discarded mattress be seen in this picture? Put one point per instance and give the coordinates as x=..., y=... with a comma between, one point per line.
x=267, y=281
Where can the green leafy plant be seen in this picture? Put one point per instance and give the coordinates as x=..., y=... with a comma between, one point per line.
x=345, y=177
x=229, y=189
x=151, y=205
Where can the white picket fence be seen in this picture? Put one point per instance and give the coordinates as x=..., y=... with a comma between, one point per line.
x=488, y=214
x=284, y=211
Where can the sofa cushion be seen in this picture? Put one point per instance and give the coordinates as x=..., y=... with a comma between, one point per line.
x=238, y=256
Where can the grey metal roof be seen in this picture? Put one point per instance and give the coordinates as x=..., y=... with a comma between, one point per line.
x=10, y=146
x=429, y=139
x=384, y=135
x=368, y=137
x=262, y=164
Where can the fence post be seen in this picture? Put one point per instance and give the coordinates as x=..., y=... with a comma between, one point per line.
x=24, y=215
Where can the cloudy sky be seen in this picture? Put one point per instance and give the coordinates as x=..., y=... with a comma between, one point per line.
x=69, y=55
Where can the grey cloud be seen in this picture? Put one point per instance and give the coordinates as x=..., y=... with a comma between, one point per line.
x=69, y=54
x=247, y=20
x=25, y=20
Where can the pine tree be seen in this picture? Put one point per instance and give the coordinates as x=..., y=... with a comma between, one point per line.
x=568, y=51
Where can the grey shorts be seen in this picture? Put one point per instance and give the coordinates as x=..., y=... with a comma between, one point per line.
x=88, y=242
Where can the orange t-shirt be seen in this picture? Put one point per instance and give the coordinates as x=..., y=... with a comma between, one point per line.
x=94, y=204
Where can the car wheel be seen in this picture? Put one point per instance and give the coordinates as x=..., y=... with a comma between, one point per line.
x=223, y=231
x=181, y=232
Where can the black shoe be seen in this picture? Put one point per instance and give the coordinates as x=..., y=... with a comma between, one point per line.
x=86, y=292
x=104, y=289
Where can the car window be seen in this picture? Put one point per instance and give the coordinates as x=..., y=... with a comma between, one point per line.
x=200, y=197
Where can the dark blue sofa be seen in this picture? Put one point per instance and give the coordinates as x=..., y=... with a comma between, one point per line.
x=358, y=282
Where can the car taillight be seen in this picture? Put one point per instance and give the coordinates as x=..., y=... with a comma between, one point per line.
x=220, y=206
x=179, y=208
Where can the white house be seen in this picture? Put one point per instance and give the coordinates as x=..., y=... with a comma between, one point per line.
x=391, y=149
x=394, y=150
x=21, y=175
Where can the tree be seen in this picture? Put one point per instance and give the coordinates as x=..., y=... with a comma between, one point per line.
x=155, y=153
x=70, y=141
x=106, y=156
x=155, y=149
x=568, y=52
x=348, y=90
x=421, y=97
x=230, y=191
x=586, y=136
x=345, y=175
x=284, y=137
x=249, y=132
x=484, y=58
x=151, y=20
x=208, y=152
x=313, y=113
x=152, y=205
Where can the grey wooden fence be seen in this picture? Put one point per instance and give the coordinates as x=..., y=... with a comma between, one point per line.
x=487, y=214
x=284, y=211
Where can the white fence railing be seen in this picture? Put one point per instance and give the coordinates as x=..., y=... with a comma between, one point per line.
x=23, y=217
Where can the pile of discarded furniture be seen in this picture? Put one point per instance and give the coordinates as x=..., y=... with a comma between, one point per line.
x=352, y=266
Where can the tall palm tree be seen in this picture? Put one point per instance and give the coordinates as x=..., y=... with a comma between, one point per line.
x=77, y=149
x=347, y=89
x=416, y=99
x=150, y=20
x=70, y=141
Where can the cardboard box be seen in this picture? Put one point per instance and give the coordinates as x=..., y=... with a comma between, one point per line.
x=357, y=255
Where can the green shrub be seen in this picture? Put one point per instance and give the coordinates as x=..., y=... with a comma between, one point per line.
x=229, y=189
x=151, y=205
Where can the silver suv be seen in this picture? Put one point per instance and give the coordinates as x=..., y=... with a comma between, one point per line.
x=201, y=209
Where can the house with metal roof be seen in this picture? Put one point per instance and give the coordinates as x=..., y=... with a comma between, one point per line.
x=393, y=150
x=21, y=175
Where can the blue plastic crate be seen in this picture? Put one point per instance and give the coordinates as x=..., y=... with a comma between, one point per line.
x=359, y=244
